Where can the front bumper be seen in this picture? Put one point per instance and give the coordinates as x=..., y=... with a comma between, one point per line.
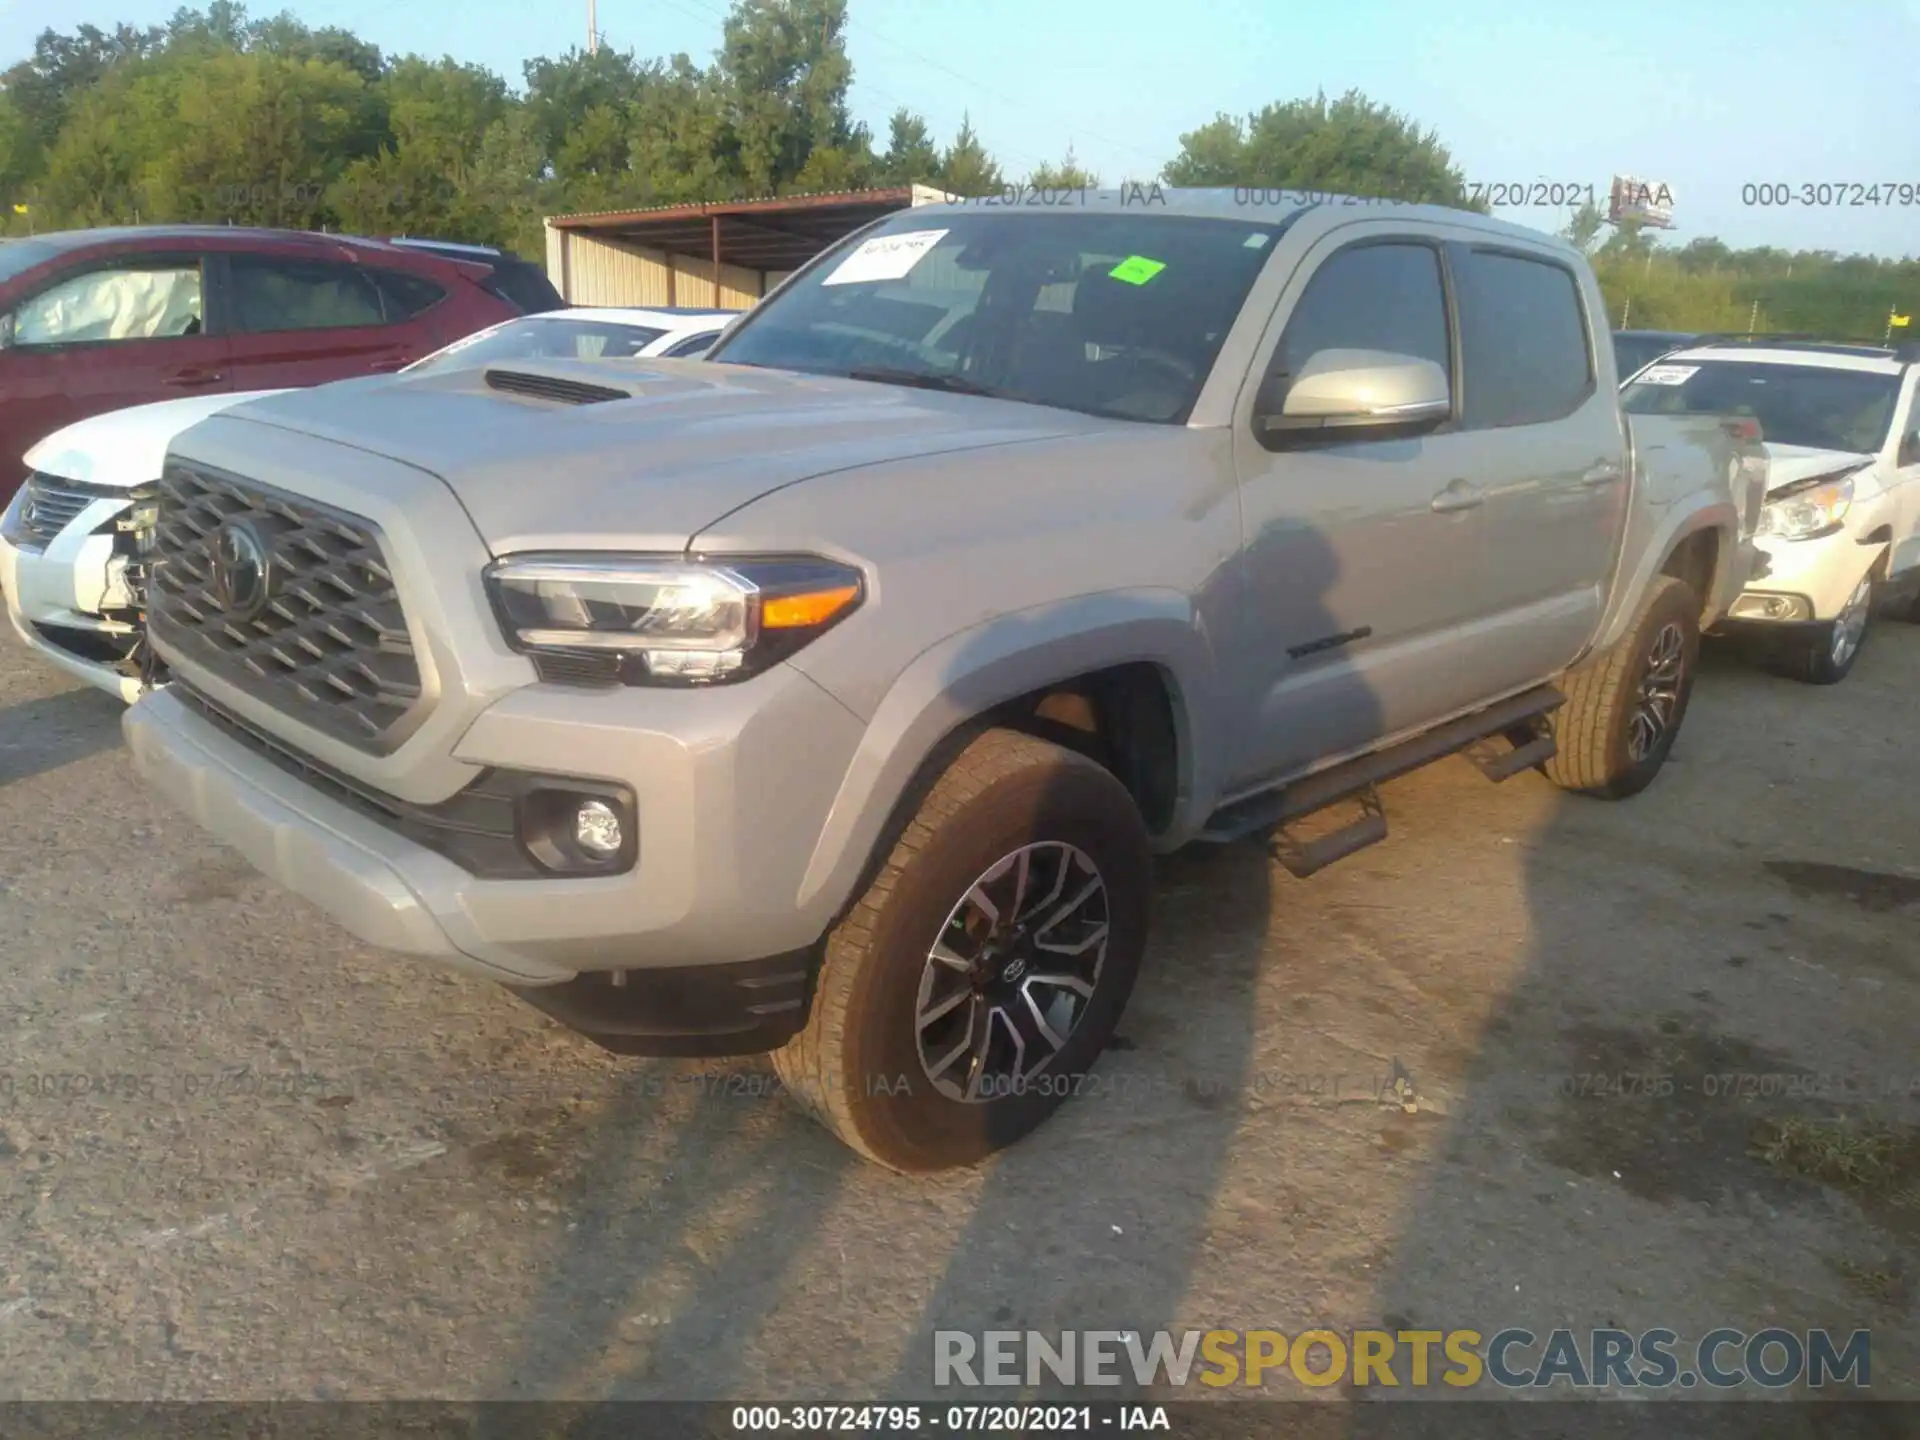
x=1814, y=579
x=731, y=788
x=55, y=598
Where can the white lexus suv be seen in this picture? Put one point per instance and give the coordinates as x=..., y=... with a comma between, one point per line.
x=1839, y=538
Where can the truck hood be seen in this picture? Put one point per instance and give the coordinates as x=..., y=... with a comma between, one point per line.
x=125, y=448
x=664, y=450
x=1790, y=464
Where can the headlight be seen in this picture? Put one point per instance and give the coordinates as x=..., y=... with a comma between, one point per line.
x=656, y=620
x=142, y=519
x=1814, y=507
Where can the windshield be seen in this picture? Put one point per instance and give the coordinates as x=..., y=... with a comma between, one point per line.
x=530, y=339
x=1821, y=408
x=1118, y=315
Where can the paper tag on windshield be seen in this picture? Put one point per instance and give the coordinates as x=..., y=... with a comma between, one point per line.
x=884, y=257
x=1666, y=375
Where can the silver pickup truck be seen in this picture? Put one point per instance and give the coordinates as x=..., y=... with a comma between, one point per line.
x=830, y=697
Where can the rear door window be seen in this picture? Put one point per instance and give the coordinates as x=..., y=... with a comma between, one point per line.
x=406, y=296
x=1525, y=353
x=272, y=294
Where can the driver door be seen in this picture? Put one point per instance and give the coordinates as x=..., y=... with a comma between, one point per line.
x=104, y=336
x=1364, y=556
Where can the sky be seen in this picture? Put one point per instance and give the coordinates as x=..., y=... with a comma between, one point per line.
x=1707, y=97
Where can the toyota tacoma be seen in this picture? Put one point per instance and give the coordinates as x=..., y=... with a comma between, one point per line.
x=830, y=698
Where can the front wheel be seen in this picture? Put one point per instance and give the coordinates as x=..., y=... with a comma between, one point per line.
x=971, y=988
x=1826, y=658
x=1624, y=707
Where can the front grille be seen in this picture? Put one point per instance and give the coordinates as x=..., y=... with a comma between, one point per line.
x=477, y=829
x=291, y=601
x=551, y=387
x=50, y=505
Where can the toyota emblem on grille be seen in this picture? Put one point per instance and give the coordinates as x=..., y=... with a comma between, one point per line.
x=242, y=570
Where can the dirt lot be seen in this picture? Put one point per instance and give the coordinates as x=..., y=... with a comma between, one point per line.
x=323, y=1172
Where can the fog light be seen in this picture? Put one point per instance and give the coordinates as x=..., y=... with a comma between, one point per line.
x=1772, y=607
x=596, y=829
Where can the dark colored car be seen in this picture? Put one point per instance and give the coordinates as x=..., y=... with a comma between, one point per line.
x=1635, y=349
x=96, y=320
x=519, y=281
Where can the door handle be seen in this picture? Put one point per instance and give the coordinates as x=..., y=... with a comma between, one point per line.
x=1604, y=473
x=184, y=378
x=1460, y=495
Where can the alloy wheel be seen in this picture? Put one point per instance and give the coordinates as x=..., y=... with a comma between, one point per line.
x=1851, y=627
x=1658, y=700
x=1013, y=972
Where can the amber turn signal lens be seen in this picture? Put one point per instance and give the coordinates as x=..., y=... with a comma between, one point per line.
x=801, y=612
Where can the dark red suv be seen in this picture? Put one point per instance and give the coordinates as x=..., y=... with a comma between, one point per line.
x=94, y=320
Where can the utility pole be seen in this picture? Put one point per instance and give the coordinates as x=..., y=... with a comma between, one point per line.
x=1753, y=318
x=593, y=30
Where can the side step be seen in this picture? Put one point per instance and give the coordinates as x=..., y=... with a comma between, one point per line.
x=1504, y=756
x=1307, y=857
x=1519, y=723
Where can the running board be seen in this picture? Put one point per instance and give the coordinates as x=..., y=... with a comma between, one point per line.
x=1271, y=809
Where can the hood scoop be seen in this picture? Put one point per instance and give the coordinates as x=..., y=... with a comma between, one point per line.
x=557, y=388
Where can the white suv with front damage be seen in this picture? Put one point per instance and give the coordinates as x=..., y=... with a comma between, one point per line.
x=71, y=566
x=1838, y=540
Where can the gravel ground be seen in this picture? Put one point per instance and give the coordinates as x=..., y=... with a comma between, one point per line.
x=305, y=1169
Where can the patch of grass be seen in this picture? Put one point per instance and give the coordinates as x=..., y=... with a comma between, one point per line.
x=1873, y=1283
x=1871, y=1159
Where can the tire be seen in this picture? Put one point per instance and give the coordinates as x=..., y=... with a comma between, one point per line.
x=861, y=1065
x=1604, y=745
x=1829, y=657
x=1907, y=608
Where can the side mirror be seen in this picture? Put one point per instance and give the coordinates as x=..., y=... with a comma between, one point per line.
x=1355, y=390
x=1909, y=450
x=6, y=332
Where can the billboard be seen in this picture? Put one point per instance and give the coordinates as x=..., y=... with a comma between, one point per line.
x=1647, y=203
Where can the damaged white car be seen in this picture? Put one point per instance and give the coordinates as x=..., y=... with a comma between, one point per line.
x=70, y=556
x=1838, y=540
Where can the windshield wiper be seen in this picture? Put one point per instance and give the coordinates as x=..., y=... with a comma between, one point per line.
x=927, y=380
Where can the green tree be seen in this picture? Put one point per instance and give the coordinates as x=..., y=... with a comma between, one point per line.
x=1583, y=228
x=682, y=148
x=43, y=89
x=439, y=116
x=911, y=157
x=19, y=165
x=562, y=93
x=1349, y=146
x=966, y=168
x=1069, y=174
x=785, y=67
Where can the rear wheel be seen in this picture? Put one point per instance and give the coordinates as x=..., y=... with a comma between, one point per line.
x=986, y=966
x=1625, y=706
x=1827, y=658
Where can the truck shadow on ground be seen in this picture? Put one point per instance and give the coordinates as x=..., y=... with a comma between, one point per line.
x=1668, y=1108
x=1095, y=1221
x=51, y=731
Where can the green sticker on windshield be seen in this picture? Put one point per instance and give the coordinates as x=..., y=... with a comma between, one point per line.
x=1137, y=269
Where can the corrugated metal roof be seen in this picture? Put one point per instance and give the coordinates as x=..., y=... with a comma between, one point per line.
x=596, y=219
